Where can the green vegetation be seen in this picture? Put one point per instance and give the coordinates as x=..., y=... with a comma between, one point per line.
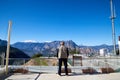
x=74, y=51
x=36, y=55
x=40, y=61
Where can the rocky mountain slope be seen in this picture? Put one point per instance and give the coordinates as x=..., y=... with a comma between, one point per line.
x=49, y=48
x=45, y=48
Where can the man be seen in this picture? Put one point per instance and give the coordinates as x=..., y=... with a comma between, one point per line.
x=62, y=55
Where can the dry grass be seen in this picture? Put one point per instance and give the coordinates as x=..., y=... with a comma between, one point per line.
x=107, y=70
x=20, y=70
x=42, y=62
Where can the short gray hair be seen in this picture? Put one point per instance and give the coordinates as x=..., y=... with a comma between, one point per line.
x=62, y=42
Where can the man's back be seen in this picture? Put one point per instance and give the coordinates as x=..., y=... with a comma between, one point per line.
x=63, y=52
x=62, y=55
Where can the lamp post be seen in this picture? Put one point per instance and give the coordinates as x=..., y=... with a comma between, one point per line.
x=119, y=44
x=113, y=26
x=8, y=46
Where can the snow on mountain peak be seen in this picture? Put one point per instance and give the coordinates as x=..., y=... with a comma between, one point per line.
x=32, y=41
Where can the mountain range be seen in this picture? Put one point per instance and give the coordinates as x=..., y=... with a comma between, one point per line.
x=98, y=47
x=45, y=48
x=49, y=48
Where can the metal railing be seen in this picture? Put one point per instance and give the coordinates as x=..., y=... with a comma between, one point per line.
x=47, y=65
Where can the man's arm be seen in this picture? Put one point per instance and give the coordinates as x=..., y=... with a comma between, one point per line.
x=57, y=53
x=67, y=52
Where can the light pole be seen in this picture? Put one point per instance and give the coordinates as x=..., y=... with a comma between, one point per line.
x=8, y=46
x=119, y=44
x=113, y=26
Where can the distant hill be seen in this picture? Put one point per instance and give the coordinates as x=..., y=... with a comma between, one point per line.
x=14, y=52
x=98, y=47
x=46, y=48
x=3, y=42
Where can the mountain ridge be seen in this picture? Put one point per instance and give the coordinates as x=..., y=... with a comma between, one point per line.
x=45, y=47
x=49, y=48
x=14, y=52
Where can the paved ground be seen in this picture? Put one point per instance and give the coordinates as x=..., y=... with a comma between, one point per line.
x=36, y=76
x=112, y=76
x=19, y=76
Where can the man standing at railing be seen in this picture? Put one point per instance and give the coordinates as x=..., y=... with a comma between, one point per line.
x=62, y=55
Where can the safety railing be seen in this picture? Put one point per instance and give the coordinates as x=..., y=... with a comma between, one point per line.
x=49, y=64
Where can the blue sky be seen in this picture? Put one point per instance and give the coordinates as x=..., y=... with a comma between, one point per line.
x=86, y=22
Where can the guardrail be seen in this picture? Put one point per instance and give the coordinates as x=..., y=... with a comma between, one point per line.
x=88, y=62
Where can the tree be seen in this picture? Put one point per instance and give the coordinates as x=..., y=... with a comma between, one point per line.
x=74, y=51
x=37, y=55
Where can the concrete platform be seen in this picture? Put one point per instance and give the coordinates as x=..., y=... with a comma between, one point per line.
x=19, y=76
x=112, y=76
x=36, y=76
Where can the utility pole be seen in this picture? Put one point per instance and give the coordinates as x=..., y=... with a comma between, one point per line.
x=8, y=46
x=113, y=26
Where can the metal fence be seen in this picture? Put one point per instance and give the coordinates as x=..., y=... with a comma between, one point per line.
x=87, y=62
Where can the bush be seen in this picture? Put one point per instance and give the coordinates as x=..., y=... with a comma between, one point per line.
x=21, y=70
x=37, y=55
